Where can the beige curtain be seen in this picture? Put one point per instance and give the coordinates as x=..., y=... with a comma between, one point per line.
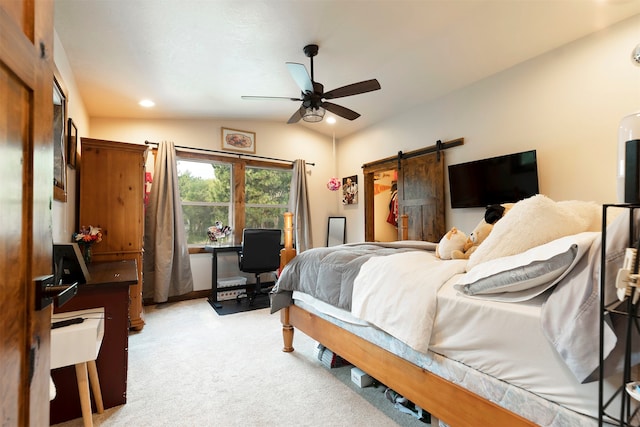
x=299, y=206
x=167, y=268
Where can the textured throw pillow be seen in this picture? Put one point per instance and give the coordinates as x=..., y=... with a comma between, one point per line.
x=533, y=222
x=523, y=276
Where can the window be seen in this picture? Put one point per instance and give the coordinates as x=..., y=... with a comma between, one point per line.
x=267, y=197
x=240, y=193
x=205, y=191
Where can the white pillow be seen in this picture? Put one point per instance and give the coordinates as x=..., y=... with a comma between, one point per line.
x=526, y=275
x=533, y=222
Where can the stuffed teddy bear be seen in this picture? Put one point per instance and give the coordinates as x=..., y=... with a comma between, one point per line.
x=482, y=230
x=476, y=237
x=454, y=240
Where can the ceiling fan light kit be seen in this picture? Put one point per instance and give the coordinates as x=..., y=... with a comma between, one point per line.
x=313, y=96
x=313, y=115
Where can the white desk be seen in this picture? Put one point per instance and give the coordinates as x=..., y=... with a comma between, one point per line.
x=79, y=345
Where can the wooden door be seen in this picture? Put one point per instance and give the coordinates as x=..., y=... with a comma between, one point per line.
x=421, y=196
x=26, y=171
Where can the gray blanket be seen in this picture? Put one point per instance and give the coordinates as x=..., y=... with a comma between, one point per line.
x=328, y=273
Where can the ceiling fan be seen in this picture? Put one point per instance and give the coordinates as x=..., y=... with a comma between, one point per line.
x=314, y=98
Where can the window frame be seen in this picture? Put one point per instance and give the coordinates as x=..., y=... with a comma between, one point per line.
x=238, y=167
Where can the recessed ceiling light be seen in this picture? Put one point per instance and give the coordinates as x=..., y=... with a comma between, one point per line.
x=331, y=120
x=147, y=103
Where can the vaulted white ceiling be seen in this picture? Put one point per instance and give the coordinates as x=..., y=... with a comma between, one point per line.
x=196, y=58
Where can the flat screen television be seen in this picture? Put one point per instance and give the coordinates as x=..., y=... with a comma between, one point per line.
x=495, y=180
x=68, y=264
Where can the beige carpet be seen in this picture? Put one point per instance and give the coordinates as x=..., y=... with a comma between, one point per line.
x=191, y=367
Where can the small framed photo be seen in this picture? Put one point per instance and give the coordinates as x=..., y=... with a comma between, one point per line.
x=350, y=190
x=238, y=140
x=72, y=144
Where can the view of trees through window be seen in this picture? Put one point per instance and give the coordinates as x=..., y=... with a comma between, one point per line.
x=207, y=196
x=266, y=197
x=205, y=191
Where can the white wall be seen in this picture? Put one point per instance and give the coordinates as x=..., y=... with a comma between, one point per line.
x=64, y=214
x=566, y=104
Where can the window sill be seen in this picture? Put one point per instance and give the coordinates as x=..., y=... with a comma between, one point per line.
x=197, y=250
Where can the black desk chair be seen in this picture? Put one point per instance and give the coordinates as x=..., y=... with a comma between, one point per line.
x=260, y=253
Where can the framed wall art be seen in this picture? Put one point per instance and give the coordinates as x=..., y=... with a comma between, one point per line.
x=72, y=143
x=59, y=141
x=238, y=140
x=350, y=190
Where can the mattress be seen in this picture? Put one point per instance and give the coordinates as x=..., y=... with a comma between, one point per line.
x=515, y=350
x=511, y=365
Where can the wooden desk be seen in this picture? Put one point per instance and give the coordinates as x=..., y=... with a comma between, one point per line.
x=215, y=250
x=108, y=288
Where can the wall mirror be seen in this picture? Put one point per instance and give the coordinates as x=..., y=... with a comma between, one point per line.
x=59, y=146
x=336, y=230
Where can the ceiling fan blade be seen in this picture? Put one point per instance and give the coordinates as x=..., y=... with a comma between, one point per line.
x=353, y=89
x=269, y=98
x=300, y=76
x=296, y=116
x=340, y=110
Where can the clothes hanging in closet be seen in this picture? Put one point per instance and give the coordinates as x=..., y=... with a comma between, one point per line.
x=392, y=218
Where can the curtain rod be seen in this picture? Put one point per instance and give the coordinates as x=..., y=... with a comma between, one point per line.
x=239, y=155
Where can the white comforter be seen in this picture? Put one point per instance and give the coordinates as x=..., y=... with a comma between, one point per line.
x=394, y=294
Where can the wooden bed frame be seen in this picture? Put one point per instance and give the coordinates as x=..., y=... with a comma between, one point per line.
x=443, y=399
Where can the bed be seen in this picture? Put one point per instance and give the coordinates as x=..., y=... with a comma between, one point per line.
x=524, y=356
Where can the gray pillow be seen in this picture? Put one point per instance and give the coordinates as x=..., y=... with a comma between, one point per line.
x=523, y=276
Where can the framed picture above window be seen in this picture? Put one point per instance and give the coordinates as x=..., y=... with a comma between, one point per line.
x=238, y=140
x=72, y=143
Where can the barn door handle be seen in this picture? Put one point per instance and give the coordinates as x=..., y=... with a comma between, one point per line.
x=47, y=292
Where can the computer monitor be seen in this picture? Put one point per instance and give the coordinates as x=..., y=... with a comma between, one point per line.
x=68, y=264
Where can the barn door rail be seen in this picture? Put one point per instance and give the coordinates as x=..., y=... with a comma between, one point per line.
x=436, y=148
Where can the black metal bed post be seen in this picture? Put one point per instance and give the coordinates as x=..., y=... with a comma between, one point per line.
x=602, y=308
x=631, y=313
x=625, y=405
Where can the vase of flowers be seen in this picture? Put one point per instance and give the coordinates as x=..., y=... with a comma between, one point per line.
x=86, y=238
x=218, y=233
